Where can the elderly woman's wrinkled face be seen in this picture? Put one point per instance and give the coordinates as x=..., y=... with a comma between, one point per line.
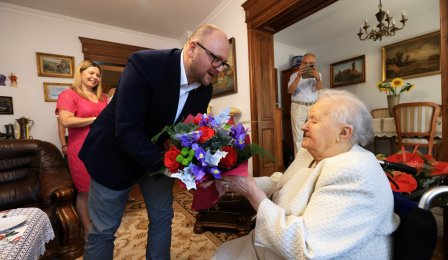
x=320, y=131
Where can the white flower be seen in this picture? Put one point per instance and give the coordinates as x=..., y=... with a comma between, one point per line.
x=186, y=176
x=214, y=159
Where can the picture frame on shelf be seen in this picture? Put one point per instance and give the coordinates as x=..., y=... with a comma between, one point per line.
x=348, y=72
x=54, y=65
x=6, y=106
x=412, y=58
x=52, y=90
x=226, y=82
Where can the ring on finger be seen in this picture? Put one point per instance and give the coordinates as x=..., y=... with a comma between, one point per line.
x=226, y=185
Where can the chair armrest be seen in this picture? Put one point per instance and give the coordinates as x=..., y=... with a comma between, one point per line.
x=70, y=234
x=53, y=174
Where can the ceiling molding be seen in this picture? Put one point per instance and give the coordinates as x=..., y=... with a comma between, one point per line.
x=76, y=21
x=289, y=47
x=184, y=38
x=223, y=5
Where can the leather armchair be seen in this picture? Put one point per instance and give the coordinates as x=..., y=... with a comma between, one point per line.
x=33, y=174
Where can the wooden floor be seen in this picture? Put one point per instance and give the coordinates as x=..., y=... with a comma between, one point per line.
x=135, y=192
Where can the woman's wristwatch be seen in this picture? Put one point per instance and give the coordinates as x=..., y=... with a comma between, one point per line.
x=64, y=146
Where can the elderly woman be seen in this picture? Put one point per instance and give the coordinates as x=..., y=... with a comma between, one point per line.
x=333, y=202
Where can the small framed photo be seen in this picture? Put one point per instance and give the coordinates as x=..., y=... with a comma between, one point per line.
x=53, y=65
x=52, y=90
x=348, y=72
x=6, y=107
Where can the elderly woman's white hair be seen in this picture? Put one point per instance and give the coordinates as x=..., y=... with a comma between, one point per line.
x=349, y=110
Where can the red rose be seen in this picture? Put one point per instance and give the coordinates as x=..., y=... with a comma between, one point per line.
x=170, y=159
x=207, y=133
x=230, y=159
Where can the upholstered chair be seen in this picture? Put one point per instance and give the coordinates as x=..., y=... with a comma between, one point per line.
x=33, y=174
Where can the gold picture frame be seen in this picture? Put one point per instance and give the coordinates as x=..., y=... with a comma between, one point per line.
x=412, y=58
x=348, y=72
x=52, y=90
x=226, y=83
x=54, y=65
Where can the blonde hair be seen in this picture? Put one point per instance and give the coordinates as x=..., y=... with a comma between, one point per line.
x=77, y=84
x=201, y=33
x=112, y=92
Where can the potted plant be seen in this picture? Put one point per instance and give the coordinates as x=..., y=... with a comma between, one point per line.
x=393, y=98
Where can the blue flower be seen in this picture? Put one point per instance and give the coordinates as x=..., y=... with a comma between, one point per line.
x=239, y=142
x=238, y=130
x=215, y=171
x=200, y=155
x=214, y=159
x=198, y=172
x=203, y=121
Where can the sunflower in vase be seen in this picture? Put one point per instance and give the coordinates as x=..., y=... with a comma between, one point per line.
x=391, y=89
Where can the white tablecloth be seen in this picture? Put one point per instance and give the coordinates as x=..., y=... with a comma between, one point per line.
x=32, y=243
x=386, y=127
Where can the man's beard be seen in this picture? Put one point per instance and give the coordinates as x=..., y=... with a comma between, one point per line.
x=197, y=75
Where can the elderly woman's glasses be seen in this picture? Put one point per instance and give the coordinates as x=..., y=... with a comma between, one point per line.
x=216, y=62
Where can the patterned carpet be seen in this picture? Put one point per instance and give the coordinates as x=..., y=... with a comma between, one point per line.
x=131, y=235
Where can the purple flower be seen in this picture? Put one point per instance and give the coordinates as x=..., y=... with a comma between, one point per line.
x=239, y=142
x=186, y=140
x=198, y=172
x=200, y=155
x=203, y=121
x=216, y=173
x=238, y=130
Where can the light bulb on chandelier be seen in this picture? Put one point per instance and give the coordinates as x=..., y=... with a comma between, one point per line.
x=383, y=29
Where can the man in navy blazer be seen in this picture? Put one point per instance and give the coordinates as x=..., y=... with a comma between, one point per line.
x=157, y=88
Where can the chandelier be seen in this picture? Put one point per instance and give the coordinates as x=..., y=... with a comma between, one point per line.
x=383, y=30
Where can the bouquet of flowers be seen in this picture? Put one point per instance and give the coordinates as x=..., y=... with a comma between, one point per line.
x=390, y=89
x=204, y=148
x=429, y=173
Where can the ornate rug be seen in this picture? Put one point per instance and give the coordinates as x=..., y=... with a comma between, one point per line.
x=132, y=233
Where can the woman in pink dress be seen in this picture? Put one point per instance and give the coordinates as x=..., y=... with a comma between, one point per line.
x=78, y=109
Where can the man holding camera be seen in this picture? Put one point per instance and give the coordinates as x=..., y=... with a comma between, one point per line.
x=302, y=86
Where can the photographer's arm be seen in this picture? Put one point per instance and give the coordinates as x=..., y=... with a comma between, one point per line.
x=292, y=86
x=315, y=73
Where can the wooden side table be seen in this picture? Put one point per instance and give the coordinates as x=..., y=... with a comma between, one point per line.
x=233, y=212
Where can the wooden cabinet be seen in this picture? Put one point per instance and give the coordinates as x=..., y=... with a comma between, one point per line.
x=286, y=104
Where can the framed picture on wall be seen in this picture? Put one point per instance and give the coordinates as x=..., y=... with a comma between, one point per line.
x=225, y=83
x=54, y=65
x=6, y=107
x=412, y=58
x=52, y=90
x=348, y=72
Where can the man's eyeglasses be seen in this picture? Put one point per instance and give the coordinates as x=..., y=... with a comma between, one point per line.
x=216, y=62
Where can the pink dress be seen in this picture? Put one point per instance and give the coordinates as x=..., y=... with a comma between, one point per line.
x=69, y=100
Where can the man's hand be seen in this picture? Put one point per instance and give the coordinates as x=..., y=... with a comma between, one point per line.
x=315, y=73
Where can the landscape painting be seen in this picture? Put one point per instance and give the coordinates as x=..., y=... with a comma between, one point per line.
x=225, y=83
x=53, y=65
x=348, y=72
x=416, y=57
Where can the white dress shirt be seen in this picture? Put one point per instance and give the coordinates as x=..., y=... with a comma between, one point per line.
x=306, y=89
x=185, y=88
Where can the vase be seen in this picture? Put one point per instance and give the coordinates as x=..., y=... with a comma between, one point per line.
x=392, y=100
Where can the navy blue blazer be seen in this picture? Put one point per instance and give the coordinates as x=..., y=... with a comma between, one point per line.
x=118, y=150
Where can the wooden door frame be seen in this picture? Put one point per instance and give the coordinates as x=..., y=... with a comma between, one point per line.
x=272, y=16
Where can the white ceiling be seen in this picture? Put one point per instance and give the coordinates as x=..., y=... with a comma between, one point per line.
x=172, y=18
x=343, y=19
x=167, y=18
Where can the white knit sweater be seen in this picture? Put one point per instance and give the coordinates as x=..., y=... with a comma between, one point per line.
x=342, y=209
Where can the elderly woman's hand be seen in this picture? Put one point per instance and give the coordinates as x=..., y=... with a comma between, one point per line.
x=245, y=186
